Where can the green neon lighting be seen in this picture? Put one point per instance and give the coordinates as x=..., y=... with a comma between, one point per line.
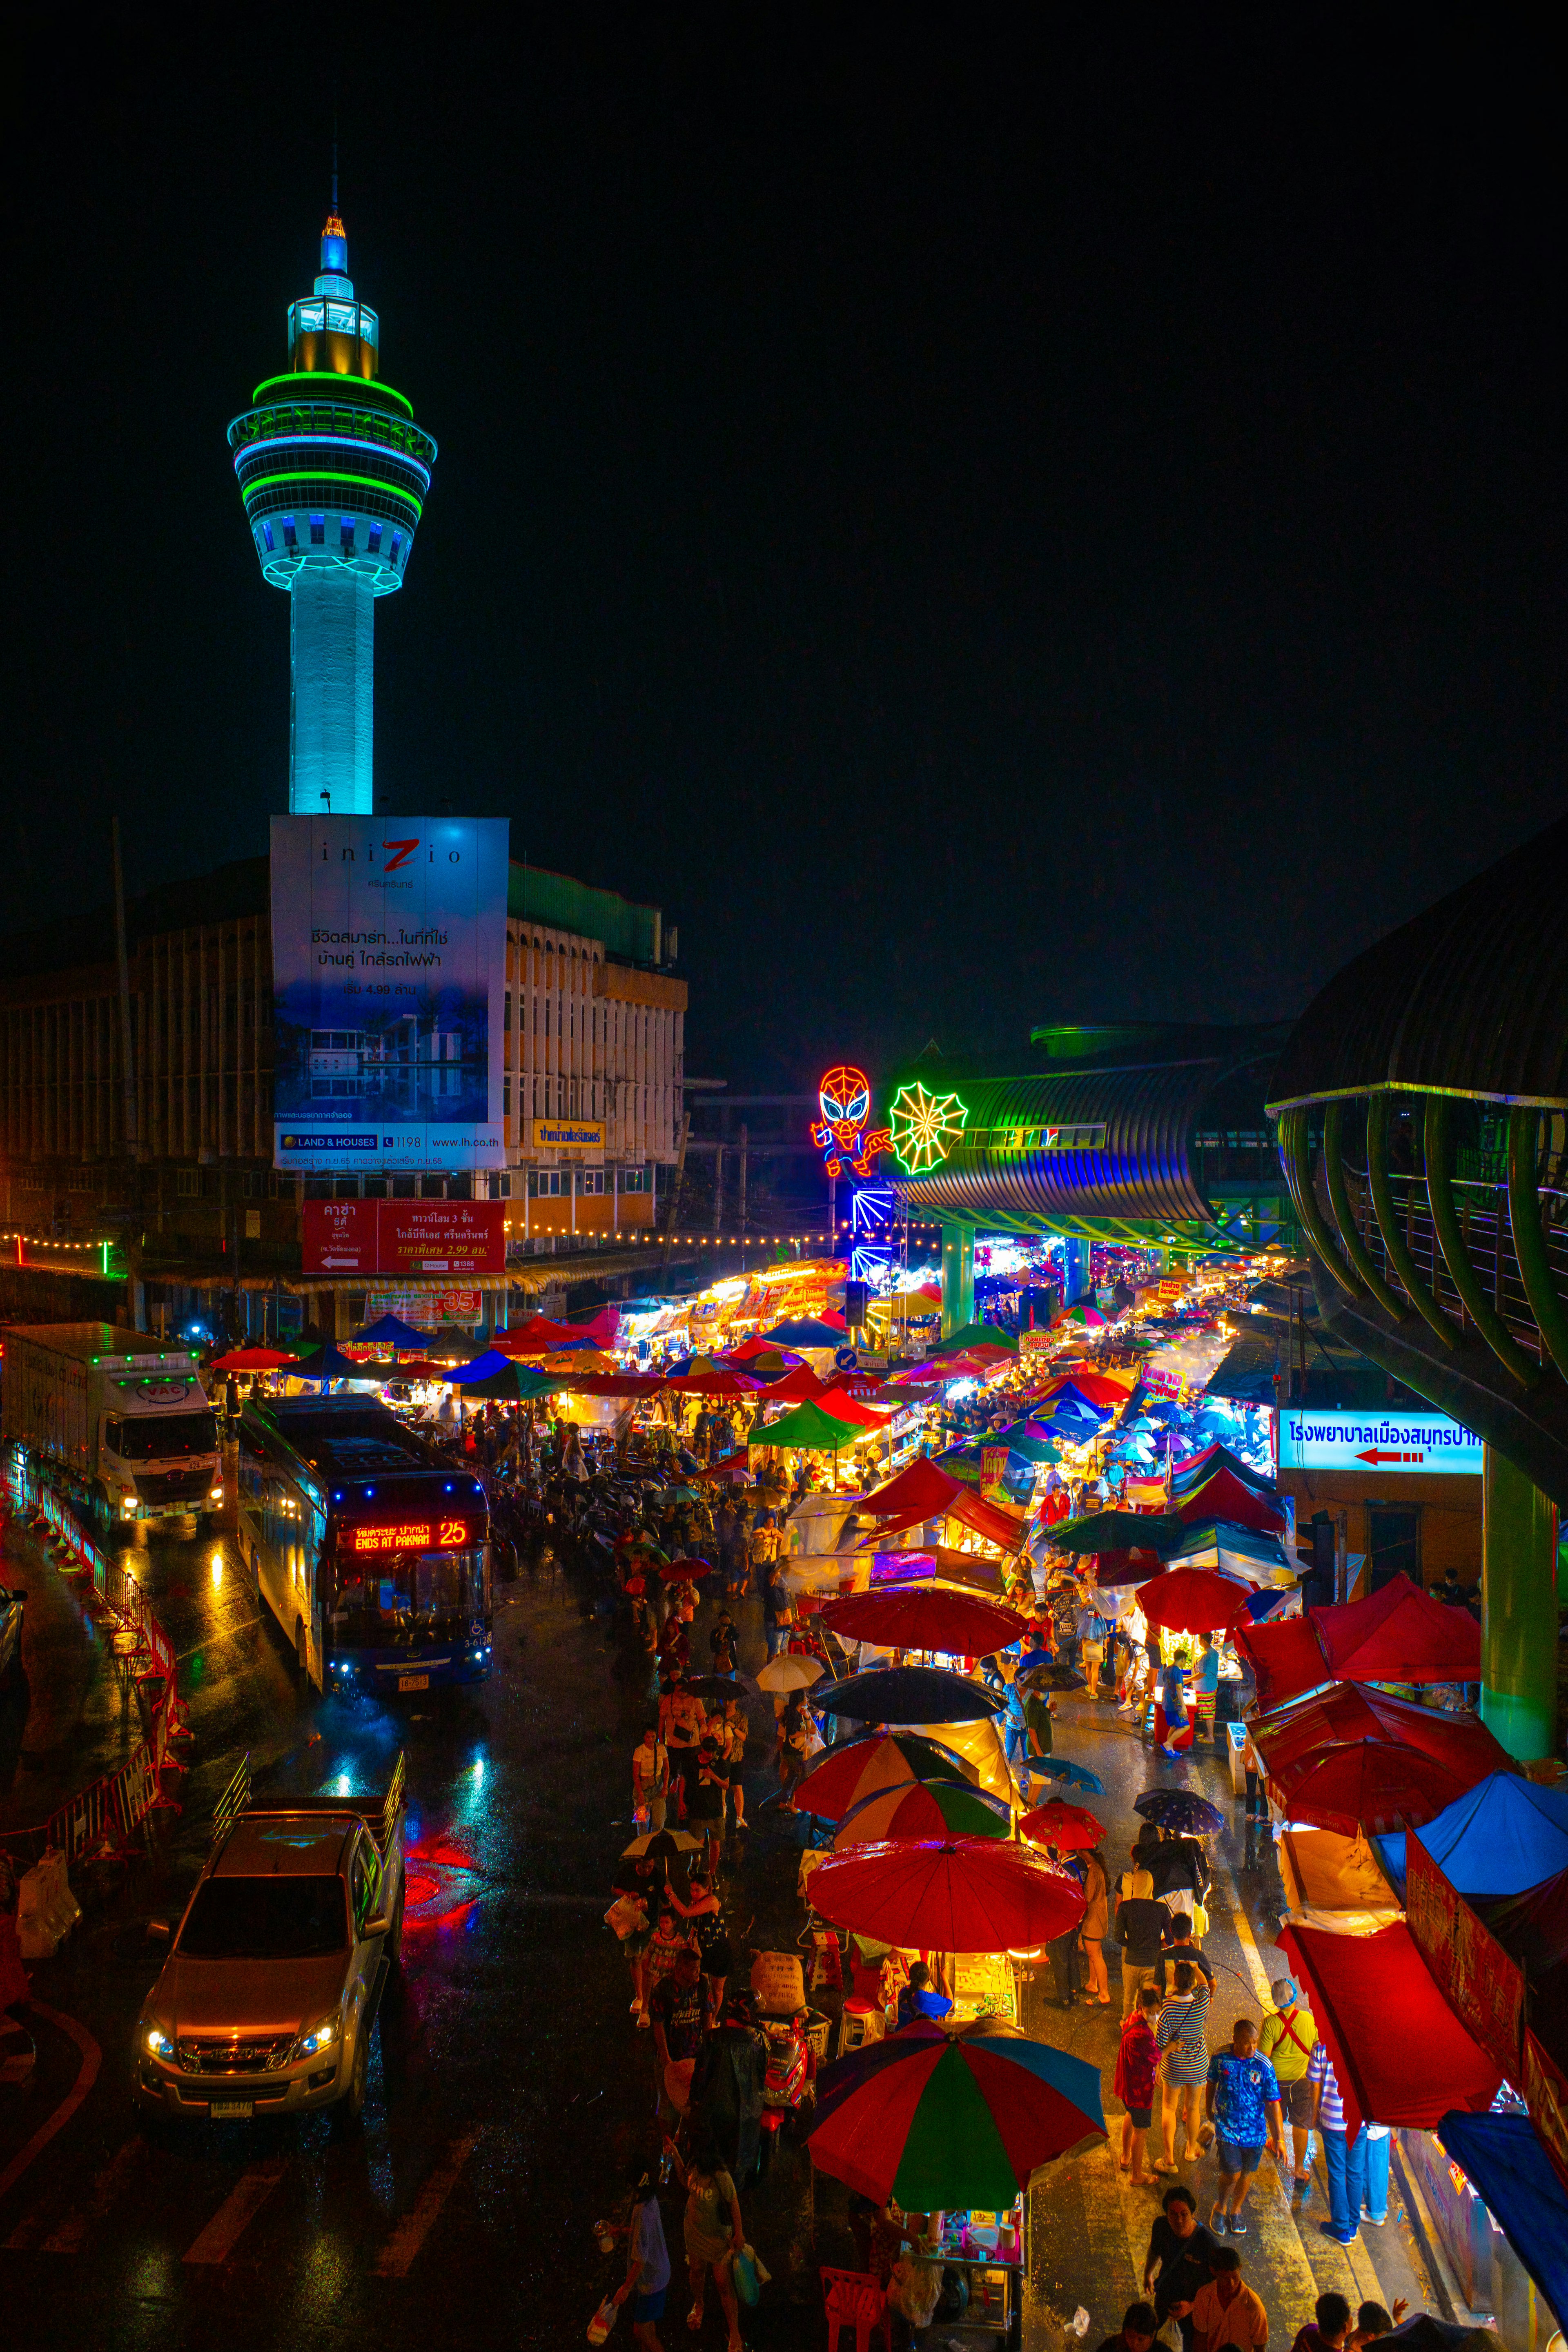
x=321, y=377
x=320, y=474
x=925, y=1127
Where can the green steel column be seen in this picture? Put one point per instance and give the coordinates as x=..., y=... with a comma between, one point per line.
x=1519, y=1609
x=957, y=1278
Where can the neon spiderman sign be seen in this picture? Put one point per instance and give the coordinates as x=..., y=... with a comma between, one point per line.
x=843, y=1132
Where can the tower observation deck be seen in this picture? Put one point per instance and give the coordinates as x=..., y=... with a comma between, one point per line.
x=333, y=473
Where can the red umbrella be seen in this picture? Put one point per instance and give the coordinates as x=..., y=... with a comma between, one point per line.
x=250, y=1360
x=1375, y=1785
x=1350, y=1711
x=1066, y=1827
x=1193, y=1600
x=926, y=1618
x=1111, y=1567
x=947, y=1895
x=684, y=1571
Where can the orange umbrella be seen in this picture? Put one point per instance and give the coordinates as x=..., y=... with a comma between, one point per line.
x=1065, y=1826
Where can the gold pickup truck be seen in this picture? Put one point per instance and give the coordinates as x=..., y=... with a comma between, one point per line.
x=267, y=2002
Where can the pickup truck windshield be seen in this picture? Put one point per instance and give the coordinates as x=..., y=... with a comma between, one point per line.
x=161, y=1436
x=265, y=1919
x=405, y=1593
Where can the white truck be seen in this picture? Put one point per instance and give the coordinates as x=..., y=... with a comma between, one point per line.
x=119, y=1420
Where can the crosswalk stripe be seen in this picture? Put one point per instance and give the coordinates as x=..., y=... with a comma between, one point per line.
x=410, y=2233
x=68, y=2237
x=239, y=2208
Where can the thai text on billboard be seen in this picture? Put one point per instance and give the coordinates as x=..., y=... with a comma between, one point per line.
x=388, y=974
x=407, y=1237
x=1417, y=1444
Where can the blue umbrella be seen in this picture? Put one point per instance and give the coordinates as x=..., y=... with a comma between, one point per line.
x=1076, y=1776
x=1180, y=1808
x=329, y=1363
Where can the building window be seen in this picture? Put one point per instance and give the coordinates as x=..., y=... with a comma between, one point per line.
x=592, y=1179
x=506, y=1094
x=375, y=539
x=404, y=1188
x=288, y=538
x=509, y=1009
x=318, y=1188
x=346, y=1188
x=433, y=1188
x=346, y=533
x=266, y=535
x=188, y=1183
x=376, y=1187
x=396, y=544
x=634, y=1180
x=544, y=1183
x=318, y=530
x=500, y=1188
x=80, y=1181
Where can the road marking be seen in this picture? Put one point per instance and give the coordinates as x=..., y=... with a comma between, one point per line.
x=239, y=2208
x=68, y=2238
x=410, y=2233
x=87, y=2075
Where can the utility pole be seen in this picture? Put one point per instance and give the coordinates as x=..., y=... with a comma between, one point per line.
x=675, y=1194
x=718, y=1187
x=742, y=1207
x=136, y=1296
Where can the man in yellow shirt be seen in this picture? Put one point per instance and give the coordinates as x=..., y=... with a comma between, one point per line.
x=1288, y=2039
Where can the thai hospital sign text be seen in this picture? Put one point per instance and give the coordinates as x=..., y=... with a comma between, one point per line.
x=1419, y=1443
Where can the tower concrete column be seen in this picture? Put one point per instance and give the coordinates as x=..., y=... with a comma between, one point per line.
x=1519, y=1609
x=957, y=1278
x=332, y=708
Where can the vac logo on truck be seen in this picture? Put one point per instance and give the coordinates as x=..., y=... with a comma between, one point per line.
x=1428, y=1442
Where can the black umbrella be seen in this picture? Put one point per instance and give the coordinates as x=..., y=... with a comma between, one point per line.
x=909, y=1695
x=718, y=1686
x=1182, y=1809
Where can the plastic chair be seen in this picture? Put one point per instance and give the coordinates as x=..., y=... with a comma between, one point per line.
x=856, y=2299
x=860, y=2021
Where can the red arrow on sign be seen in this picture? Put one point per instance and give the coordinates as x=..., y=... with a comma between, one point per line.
x=1376, y=1456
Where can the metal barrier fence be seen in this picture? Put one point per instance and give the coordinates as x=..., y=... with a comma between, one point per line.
x=99, y=1823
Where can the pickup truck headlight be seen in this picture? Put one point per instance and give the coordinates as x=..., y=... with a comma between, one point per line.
x=158, y=2042
x=319, y=2037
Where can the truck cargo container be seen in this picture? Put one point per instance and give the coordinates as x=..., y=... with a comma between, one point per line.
x=119, y=1422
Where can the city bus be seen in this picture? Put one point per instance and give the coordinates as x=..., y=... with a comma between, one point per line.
x=370, y=1549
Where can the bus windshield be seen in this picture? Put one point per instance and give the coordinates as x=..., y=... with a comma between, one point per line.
x=406, y=1596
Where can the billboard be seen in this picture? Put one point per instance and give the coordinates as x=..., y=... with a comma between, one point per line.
x=1418, y=1442
x=407, y=1237
x=388, y=974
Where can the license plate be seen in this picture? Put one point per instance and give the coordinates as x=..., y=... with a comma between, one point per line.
x=412, y=1682
x=230, y=2111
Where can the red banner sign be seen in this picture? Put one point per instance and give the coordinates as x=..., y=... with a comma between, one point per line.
x=407, y=1237
x=1481, y=1985
x=1545, y=2089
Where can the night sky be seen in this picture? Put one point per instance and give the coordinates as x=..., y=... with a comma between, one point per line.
x=984, y=525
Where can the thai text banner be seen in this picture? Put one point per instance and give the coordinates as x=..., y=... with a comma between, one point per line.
x=1419, y=1443
x=389, y=971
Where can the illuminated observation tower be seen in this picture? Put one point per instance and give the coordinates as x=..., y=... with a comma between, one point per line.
x=333, y=472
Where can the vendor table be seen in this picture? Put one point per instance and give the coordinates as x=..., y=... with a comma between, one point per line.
x=996, y=2280
x=984, y=1981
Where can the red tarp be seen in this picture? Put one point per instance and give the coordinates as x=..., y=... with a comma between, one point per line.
x=617, y=1384
x=715, y=1384
x=987, y=1519
x=1287, y=1658
x=1197, y=1467
x=1400, y=1634
x=1399, y=2054
x=1126, y=1566
x=843, y=1407
x=1377, y=1786
x=800, y=1387
x=1350, y=1711
x=1226, y=1497
x=538, y=1337
x=922, y=1492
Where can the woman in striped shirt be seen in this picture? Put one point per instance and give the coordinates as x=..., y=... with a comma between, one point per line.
x=1182, y=2035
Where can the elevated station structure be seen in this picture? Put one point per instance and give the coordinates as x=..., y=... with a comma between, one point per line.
x=1422, y=1113
x=1151, y=1136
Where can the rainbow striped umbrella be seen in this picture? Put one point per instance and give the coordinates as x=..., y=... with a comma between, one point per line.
x=939, y=2119
x=925, y=1809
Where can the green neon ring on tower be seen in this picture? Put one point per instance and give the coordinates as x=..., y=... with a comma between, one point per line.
x=318, y=473
x=330, y=376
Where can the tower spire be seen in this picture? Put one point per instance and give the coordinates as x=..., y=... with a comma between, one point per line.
x=334, y=163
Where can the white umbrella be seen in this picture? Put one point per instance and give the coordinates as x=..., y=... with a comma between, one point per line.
x=788, y=1674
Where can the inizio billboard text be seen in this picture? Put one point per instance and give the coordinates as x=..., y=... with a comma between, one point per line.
x=388, y=972
x=1420, y=1442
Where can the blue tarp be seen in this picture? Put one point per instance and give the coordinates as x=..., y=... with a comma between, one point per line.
x=1500, y=1837
x=1512, y=2170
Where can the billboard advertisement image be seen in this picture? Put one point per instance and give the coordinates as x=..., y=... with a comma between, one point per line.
x=1397, y=1440
x=388, y=974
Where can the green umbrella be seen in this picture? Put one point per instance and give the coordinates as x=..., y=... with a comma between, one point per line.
x=1017, y=1440
x=810, y=1429
x=989, y=1335
x=516, y=1385
x=1119, y=1531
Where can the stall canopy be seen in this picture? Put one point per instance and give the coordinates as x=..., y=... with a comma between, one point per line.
x=801, y=1386
x=1348, y=1711
x=802, y=1334
x=540, y=1336
x=1400, y=1634
x=392, y=1331
x=1501, y=1838
x=1399, y=2054
x=921, y=1490
x=1117, y=1531
x=1239, y=1551
x=1223, y=1495
x=1368, y=1784
x=1197, y=1467
x=810, y=1429
x=1512, y=2169
x=977, y=1335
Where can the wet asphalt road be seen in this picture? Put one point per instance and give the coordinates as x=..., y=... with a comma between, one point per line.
x=507, y=2085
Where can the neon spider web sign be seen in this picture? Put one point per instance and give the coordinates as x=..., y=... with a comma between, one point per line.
x=925, y=1126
